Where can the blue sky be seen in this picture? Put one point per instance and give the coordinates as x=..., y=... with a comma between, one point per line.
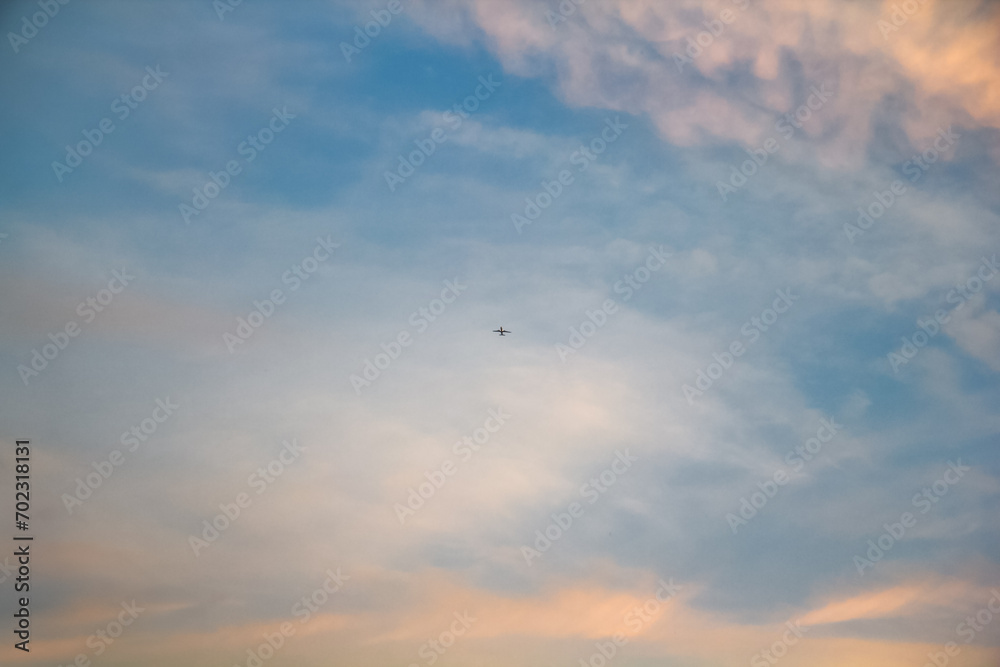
x=353, y=263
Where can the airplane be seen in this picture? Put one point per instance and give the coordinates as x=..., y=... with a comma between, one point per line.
x=501, y=331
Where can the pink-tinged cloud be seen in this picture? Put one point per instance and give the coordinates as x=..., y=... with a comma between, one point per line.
x=624, y=56
x=903, y=600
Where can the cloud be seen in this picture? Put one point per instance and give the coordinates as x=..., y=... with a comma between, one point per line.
x=622, y=56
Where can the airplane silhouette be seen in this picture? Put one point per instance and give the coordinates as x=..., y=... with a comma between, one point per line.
x=501, y=331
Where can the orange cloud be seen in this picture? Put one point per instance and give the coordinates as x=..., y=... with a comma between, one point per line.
x=902, y=600
x=945, y=53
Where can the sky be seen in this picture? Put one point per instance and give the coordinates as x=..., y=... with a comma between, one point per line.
x=253, y=254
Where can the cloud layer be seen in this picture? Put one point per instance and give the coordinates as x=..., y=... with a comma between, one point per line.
x=843, y=155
